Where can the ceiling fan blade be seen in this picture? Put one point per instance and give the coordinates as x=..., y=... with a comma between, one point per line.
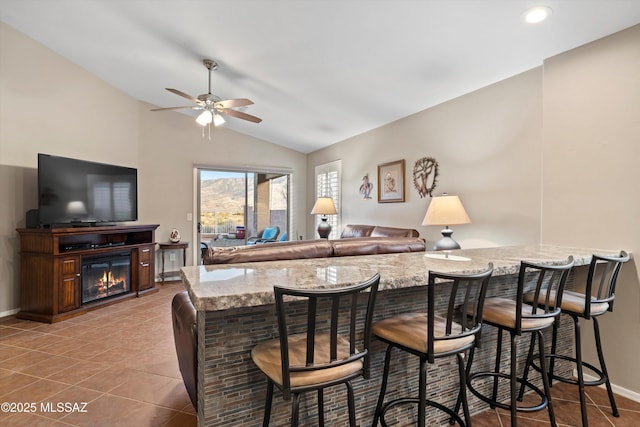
x=241, y=115
x=184, y=95
x=233, y=103
x=171, y=108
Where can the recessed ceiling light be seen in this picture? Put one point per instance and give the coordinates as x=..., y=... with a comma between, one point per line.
x=537, y=14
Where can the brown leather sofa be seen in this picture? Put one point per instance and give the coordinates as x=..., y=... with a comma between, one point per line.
x=357, y=240
x=185, y=336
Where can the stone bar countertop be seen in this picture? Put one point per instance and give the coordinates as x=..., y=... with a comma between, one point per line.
x=235, y=306
x=227, y=286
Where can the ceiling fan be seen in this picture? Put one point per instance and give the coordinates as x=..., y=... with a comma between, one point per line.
x=212, y=106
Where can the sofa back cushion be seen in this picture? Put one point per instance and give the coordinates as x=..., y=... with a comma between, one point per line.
x=394, y=232
x=355, y=230
x=320, y=248
x=377, y=245
x=359, y=230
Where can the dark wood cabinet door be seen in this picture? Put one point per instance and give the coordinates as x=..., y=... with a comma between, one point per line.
x=69, y=285
x=145, y=268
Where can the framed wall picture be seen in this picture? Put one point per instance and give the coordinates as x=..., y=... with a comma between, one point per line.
x=391, y=182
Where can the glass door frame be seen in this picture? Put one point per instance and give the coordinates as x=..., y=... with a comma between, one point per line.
x=247, y=170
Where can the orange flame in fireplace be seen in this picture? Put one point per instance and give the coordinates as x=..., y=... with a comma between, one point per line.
x=110, y=280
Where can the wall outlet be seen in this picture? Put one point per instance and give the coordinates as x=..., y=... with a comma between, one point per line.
x=172, y=257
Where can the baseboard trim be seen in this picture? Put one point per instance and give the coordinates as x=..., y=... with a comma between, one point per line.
x=9, y=312
x=629, y=394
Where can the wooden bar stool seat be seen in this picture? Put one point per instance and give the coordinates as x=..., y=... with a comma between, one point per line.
x=267, y=356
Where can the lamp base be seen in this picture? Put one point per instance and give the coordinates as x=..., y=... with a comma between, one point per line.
x=324, y=228
x=446, y=243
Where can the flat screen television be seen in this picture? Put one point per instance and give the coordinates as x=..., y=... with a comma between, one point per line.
x=72, y=191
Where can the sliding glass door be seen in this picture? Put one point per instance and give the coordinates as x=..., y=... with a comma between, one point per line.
x=236, y=205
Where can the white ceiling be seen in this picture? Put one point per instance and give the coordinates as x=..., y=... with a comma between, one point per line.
x=318, y=71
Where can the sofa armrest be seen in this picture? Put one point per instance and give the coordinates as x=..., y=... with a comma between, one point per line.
x=185, y=336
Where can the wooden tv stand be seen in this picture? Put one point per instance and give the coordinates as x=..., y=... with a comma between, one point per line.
x=51, y=273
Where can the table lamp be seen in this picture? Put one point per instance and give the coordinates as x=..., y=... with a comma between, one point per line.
x=324, y=206
x=446, y=210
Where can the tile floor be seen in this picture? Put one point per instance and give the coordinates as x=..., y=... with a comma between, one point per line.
x=566, y=405
x=120, y=360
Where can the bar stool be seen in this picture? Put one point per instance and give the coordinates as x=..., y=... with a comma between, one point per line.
x=594, y=302
x=320, y=356
x=517, y=317
x=440, y=332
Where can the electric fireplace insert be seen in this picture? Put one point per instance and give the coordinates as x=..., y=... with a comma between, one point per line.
x=105, y=276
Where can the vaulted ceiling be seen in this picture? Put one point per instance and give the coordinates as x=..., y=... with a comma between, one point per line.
x=319, y=71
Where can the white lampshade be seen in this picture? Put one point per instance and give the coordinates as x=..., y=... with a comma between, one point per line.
x=324, y=206
x=205, y=118
x=446, y=210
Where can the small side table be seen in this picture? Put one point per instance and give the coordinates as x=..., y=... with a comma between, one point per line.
x=169, y=246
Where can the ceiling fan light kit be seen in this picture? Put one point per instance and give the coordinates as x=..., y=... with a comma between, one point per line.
x=212, y=106
x=218, y=120
x=204, y=118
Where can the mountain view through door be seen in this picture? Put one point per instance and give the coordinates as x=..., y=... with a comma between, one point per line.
x=236, y=206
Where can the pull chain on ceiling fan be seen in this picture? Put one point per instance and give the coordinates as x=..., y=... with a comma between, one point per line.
x=212, y=106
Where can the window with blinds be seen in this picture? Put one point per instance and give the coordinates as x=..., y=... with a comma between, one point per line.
x=328, y=185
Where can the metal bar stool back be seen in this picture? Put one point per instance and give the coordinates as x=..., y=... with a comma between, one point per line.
x=517, y=317
x=449, y=327
x=596, y=299
x=331, y=348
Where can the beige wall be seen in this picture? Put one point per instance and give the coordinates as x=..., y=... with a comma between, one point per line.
x=545, y=156
x=169, y=147
x=487, y=144
x=591, y=175
x=49, y=105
